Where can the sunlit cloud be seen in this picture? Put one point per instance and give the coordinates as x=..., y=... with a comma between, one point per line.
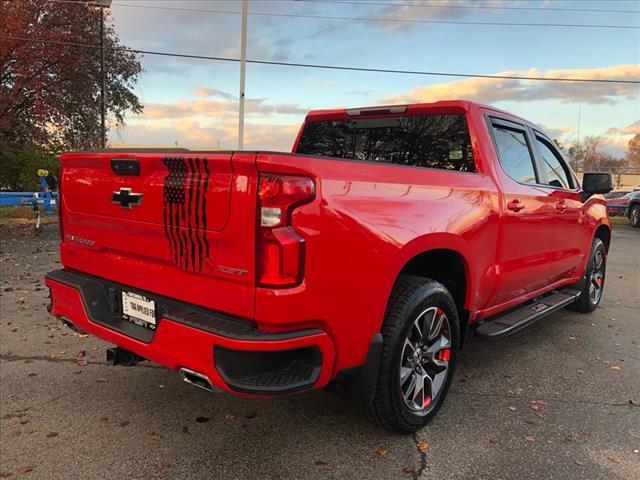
x=206, y=135
x=490, y=90
x=217, y=108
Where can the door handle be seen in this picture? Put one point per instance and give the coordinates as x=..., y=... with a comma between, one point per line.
x=561, y=207
x=515, y=205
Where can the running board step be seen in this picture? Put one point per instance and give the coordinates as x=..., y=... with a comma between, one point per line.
x=527, y=314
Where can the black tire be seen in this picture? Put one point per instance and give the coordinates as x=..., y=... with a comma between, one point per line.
x=586, y=303
x=634, y=216
x=410, y=299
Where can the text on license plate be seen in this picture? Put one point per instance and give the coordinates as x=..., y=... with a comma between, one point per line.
x=139, y=310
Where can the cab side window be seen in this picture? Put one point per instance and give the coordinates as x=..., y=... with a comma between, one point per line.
x=555, y=170
x=514, y=153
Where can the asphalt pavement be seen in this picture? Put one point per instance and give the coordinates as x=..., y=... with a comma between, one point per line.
x=558, y=400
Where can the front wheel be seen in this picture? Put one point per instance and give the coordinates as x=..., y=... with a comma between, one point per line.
x=421, y=336
x=634, y=216
x=592, y=284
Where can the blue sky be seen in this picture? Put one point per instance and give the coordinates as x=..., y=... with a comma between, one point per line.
x=193, y=102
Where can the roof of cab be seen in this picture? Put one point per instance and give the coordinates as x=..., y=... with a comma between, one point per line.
x=466, y=105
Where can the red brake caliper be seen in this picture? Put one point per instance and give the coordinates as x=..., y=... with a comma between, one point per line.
x=444, y=354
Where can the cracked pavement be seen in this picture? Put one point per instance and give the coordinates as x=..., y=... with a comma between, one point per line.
x=551, y=401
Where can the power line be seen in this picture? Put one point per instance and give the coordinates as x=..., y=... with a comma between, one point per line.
x=368, y=19
x=468, y=7
x=328, y=67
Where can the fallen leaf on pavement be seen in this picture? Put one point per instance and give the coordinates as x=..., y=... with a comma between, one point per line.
x=613, y=458
x=635, y=403
x=572, y=337
x=382, y=451
x=513, y=408
x=579, y=462
x=156, y=437
x=160, y=467
x=24, y=469
x=423, y=446
x=538, y=402
x=408, y=470
x=52, y=434
x=494, y=440
x=571, y=437
x=616, y=368
x=81, y=359
x=102, y=380
x=530, y=438
x=229, y=415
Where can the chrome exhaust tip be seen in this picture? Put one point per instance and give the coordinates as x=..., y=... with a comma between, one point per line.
x=197, y=379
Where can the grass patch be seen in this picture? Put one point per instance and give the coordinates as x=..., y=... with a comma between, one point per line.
x=22, y=211
x=620, y=220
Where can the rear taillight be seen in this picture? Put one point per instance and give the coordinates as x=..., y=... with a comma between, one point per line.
x=280, y=247
x=60, y=226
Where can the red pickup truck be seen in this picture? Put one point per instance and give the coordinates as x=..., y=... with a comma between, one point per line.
x=361, y=259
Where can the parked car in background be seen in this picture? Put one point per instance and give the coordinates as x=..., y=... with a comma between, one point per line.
x=615, y=194
x=633, y=210
x=628, y=205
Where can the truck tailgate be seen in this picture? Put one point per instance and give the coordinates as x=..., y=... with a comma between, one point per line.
x=177, y=224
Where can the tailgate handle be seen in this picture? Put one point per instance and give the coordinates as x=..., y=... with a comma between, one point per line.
x=125, y=166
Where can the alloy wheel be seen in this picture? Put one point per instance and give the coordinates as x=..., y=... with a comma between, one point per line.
x=596, y=280
x=424, y=363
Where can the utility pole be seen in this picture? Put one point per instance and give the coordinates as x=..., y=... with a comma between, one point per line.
x=102, y=4
x=243, y=61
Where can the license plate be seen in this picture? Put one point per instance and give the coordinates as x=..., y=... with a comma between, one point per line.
x=139, y=309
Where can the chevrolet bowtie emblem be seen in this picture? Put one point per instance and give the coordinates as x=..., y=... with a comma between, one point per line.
x=126, y=198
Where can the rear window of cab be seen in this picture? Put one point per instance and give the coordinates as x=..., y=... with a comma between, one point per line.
x=430, y=141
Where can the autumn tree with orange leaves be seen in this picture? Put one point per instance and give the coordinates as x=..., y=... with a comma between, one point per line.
x=49, y=89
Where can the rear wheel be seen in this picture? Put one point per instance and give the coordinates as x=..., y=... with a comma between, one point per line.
x=592, y=285
x=634, y=216
x=420, y=346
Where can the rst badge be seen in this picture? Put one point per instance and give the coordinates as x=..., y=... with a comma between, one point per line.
x=126, y=198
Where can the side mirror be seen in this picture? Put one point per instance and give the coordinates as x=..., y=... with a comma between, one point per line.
x=595, y=182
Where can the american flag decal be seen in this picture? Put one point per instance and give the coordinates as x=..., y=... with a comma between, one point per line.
x=185, y=211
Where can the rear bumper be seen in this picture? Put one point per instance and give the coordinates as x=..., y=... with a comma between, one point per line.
x=231, y=352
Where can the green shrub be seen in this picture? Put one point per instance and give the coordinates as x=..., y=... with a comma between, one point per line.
x=19, y=168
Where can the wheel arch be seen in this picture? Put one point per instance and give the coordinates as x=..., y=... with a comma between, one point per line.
x=448, y=266
x=603, y=232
